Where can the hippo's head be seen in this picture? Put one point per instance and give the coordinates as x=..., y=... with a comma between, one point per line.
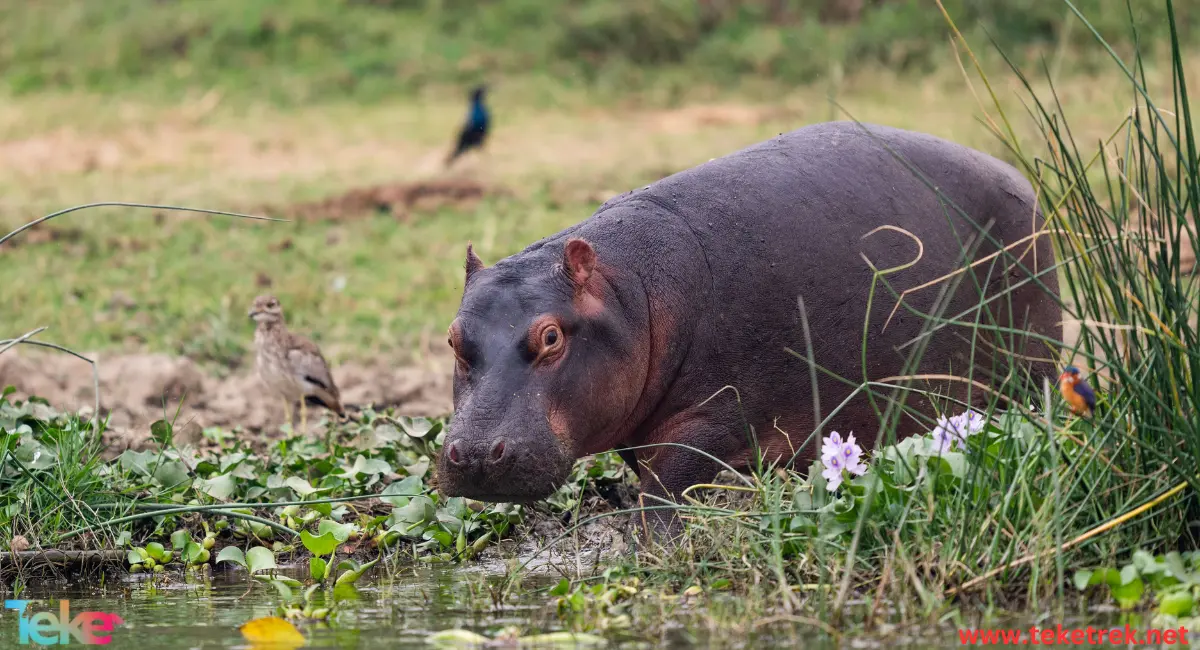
x=549, y=367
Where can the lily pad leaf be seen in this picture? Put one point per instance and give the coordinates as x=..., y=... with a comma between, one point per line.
x=341, y=532
x=400, y=492
x=319, y=545
x=299, y=486
x=260, y=559
x=219, y=487
x=232, y=554
x=316, y=565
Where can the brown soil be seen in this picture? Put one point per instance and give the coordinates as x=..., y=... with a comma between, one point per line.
x=398, y=199
x=137, y=389
x=42, y=235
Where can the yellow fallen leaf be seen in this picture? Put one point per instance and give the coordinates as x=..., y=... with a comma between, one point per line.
x=272, y=632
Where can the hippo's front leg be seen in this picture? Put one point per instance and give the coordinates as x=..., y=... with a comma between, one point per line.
x=665, y=472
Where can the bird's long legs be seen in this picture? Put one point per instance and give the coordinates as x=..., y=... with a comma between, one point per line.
x=303, y=416
x=288, y=413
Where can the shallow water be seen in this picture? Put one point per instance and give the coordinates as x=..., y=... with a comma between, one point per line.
x=382, y=612
x=206, y=612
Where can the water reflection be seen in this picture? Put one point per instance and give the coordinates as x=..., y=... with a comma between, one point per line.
x=396, y=611
x=399, y=610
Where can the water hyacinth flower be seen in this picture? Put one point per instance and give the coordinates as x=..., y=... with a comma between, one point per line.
x=838, y=455
x=953, y=431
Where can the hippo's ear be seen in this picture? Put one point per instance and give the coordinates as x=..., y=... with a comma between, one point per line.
x=473, y=262
x=579, y=260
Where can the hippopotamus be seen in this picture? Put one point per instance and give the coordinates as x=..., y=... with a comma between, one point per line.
x=673, y=314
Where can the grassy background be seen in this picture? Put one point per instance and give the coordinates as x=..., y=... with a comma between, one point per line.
x=233, y=104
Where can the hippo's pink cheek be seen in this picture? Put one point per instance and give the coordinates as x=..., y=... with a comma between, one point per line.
x=559, y=426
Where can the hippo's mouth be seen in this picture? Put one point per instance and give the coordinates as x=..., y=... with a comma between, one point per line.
x=494, y=497
x=538, y=488
x=498, y=472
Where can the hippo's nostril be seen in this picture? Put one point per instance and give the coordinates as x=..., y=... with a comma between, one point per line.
x=497, y=450
x=455, y=457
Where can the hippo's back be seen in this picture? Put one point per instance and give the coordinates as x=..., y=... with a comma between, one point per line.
x=789, y=218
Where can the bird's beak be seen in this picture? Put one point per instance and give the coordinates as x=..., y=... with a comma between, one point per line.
x=252, y=313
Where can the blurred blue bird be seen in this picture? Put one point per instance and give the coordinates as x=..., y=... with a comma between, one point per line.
x=475, y=129
x=1075, y=390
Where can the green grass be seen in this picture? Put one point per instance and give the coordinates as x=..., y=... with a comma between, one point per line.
x=301, y=50
x=183, y=283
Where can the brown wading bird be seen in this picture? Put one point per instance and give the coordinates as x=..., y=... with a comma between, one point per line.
x=290, y=364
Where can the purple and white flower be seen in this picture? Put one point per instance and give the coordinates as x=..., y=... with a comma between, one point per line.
x=953, y=431
x=839, y=456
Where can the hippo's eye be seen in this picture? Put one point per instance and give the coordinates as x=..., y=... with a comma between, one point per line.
x=545, y=341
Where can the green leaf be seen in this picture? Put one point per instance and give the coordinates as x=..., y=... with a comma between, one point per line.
x=232, y=554
x=386, y=433
x=419, y=468
x=219, y=487
x=285, y=591
x=561, y=588
x=443, y=538
x=1177, y=603
x=1128, y=594
x=192, y=553
x=1175, y=566
x=400, y=492
x=180, y=539
x=170, y=474
x=419, y=427
x=344, y=592
x=1129, y=574
x=134, y=557
x=34, y=455
x=325, y=509
x=352, y=576
x=244, y=471
x=1082, y=579
x=138, y=462
x=363, y=466
x=316, y=566
x=162, y=432
x=299, y=486
x=156, y=551
x=419, y=510
x=1105, y=575
x=260, y=559
x=231, y=460
x=319, y=545
x=340, y=531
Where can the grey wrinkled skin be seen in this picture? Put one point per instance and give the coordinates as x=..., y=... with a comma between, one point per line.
x=699, y=275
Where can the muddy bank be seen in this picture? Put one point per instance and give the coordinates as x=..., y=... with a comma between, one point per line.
x=137, y=389
x=399, y=200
